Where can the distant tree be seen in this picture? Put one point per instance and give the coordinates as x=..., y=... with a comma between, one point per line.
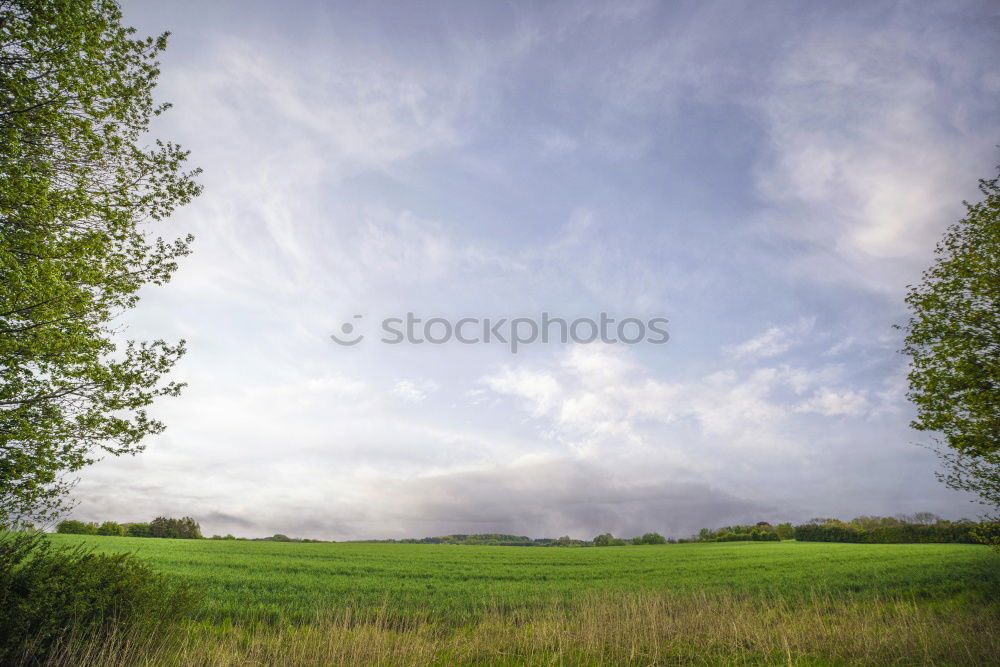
x=71, y=527
x=111, y=528
x=78, y=184
x=159, y=527
x=189, y=529
x=603, y=540
x=137, y=529
x=887, y=530
x=953, y=334
x=926, y=518
x=785, y=531
x=636, y=540
x=184, y=528
x=653, y=538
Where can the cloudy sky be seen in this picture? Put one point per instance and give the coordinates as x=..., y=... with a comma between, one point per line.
x=769, y=176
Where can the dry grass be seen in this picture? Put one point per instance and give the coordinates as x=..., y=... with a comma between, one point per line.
x=621, y=629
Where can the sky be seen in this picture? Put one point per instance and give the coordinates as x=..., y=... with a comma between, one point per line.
x=767, y=176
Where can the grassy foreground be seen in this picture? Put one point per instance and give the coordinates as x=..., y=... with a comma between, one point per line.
x=279, y=603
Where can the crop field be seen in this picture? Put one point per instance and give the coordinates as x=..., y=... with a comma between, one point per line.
x=274, y=581
x=268, y=603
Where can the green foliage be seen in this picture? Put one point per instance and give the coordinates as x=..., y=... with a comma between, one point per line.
x=184, y=528
x=137, y=529
x=988, y=532
x=653, y=538
x=762, y=532
x=784, y=531
x=482, y=539
x=979, y=475
x=111, y=528
x=77, y=189
x=953, y=334
x=887, y=530
x=47, y=592
x=70, y=527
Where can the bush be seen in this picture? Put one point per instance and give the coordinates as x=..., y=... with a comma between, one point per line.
x=48, y=593
x=988, y=532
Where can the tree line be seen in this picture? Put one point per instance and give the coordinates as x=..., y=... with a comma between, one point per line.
x=922, y=527
x=184, y=528
x=890, y=530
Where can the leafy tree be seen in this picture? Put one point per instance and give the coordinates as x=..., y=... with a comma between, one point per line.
x=137, y=529
x=71, y=527
x=184, y=528
x=953, y=334
x=77, y=189
x=111, y=528
x=653, y=538
x=784, y=531
x=976, y=474
x=603, y=540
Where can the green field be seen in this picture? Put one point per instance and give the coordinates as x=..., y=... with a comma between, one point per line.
x=270, y=603
x=292, y=581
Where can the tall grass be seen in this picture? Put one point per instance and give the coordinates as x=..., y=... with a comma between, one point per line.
x=622, y=628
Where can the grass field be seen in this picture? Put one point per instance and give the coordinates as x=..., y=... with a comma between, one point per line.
x=756, y=602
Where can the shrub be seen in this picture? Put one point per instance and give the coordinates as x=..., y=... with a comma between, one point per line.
x=988, y=532
x=49, y=593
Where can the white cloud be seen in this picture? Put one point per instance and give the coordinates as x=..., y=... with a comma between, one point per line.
x=414, y=390
x=869, y=154
x=832, y=403
x=773, y=342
